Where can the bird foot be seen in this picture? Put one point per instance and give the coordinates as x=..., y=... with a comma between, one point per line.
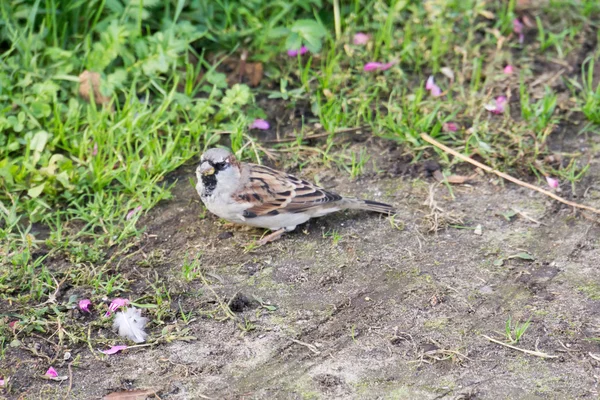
x=271, y=237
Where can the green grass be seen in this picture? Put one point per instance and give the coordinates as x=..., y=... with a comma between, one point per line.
x=514, y=332
x=86, y=172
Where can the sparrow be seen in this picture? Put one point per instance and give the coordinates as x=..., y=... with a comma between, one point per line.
x=259, y=196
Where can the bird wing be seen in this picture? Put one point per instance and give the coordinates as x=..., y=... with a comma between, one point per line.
x=273, y=192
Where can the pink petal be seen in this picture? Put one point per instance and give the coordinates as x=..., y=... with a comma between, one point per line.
x=450, y=127
x=377, y=66
x=501, y=102
x=131, y=213
x=113, y=349
x=51, y=373
x=432, y=87
x=372, y=66
x=260, y=124
x=430, y=83
x=498, y=107
x=2, y=382
x=293, y=53
x=521, y=38
x=84, y=305
x=387, y=65
x=517, y=26
x=95, y=150
x=12, y=324
x=509, y=69
x=115, y=305
x=552, y=182
x=361, y=39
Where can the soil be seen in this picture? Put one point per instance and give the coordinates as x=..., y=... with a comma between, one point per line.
x=382, y=310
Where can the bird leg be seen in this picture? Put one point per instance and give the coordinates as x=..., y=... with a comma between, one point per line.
x=271, y=237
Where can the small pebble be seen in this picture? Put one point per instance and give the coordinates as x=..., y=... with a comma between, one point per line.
x=225, y=235
x=486, y=290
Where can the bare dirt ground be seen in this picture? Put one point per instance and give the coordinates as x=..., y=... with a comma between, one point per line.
x=378, y=312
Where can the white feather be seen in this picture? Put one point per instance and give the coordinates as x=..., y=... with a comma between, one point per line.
x=131, y=324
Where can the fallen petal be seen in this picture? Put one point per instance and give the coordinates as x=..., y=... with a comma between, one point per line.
x=432, y=87
x=517, y=26
x=51, y=373
x=294, y=53
x=521, y=38
x=113, y=349
x=131, y=213
x=84, y=305
x=450, y=127
x=430, y=83
x=552, y=182
x=498, y=107
x=372, y=66
x=115, y=305
x=2, y=381
x=509, y=69
x=387, y=65
x=501, y=102
x=361, y=39
x=260, y=124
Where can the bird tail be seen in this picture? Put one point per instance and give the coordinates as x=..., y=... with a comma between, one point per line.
x=370, y=205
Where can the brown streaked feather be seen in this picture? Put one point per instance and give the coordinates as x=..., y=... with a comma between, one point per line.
x=272, y=192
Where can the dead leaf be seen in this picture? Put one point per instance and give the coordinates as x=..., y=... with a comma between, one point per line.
x=238, y=70
x=453, y=179
x=327, y=93
x=523, y=256
x=55, y=378
x=460, y=179
x=528, y=22
x=89, y=81
x=448, y=72
x=140, y=394
x=487, y=14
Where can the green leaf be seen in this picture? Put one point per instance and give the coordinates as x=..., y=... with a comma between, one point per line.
x=293, y=42
x=217, y=78
x=34, y=192
x=40, y=110
x=39, y=140
x=308, y=27
x=523, y=256
x=277, y=33
x=313, y=44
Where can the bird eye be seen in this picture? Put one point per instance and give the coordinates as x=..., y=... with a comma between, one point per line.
x=220, y=166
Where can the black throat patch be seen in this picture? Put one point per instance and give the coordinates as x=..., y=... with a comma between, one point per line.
x=210, y=183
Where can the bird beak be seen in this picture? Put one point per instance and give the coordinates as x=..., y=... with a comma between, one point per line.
x=206, y=169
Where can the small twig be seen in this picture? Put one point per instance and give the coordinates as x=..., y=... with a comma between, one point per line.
x=70, y=381
x=595, y=357
x=447, y=149
x=308, y=345
x=527, y=217
x=533, y=353
x=316, y=136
